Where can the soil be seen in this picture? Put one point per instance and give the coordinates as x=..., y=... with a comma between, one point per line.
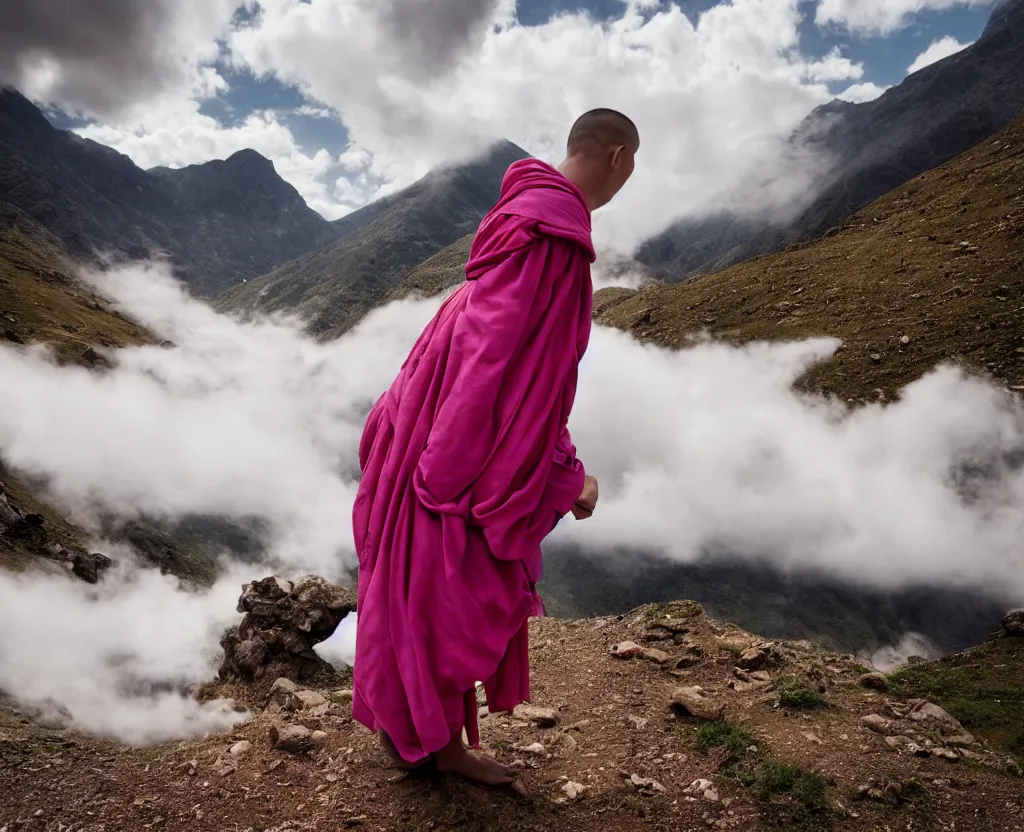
x=614, y=721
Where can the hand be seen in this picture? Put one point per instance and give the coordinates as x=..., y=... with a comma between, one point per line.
x=587, y=502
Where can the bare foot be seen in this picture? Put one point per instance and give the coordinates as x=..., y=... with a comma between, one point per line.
x=455, y=758
x=389, y=748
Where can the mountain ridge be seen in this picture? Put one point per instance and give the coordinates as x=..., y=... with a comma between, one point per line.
x=218, y=222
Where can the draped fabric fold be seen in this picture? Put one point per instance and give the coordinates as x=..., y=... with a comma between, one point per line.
x=467, y=465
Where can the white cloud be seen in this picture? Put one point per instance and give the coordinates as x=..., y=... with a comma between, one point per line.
x=707, y=447
x=714, y=102
x=117, y=659
x=937, y=50
x=882, y=17
x=232, y=400
x=860, y=93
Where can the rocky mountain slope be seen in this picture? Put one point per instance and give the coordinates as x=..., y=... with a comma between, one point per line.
x=662, y=719
x=936, y=113
x=335, y=286
x=220, y=222
x=932, y=271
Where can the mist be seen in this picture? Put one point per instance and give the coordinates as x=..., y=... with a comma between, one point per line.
x=117, y=660
x=708, y=449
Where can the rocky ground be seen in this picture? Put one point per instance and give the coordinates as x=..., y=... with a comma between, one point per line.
x=660, y=719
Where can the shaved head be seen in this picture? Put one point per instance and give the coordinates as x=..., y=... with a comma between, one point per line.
x=600, y=130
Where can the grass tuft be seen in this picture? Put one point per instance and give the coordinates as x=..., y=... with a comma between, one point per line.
x=795, y=695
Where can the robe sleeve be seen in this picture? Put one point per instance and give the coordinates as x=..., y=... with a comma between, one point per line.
x=513, y=356
x=565, y=483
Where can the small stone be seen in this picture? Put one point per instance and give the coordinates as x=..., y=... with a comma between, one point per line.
x=627, y=650
x=541, y=717
x=876, y=358
x=691, y=701
x=878, y=724
x=565, y=744
x=296, y=739
x=638, y=722
x=813, y=738
x=274, y=766
x=759, y=657
x=698, y=787
x=223, y=767
x=573, y=790
x=656, y=656
x=760, y=676
x=644, y=785
x=533, y=748
x=341, y=696
x=240, y=748
x=946, y=754
x=874, y=681
x=905, y=340
x=918, y=751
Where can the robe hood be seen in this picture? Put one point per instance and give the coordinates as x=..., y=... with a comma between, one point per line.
x=536, y=191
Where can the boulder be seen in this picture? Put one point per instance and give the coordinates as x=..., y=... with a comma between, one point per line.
x=90, y=566
x=693, y=702
x=283, y=622
x=1013, y=623
x=940, y=721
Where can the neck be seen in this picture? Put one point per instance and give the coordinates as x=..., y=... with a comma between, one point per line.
x=578, y=171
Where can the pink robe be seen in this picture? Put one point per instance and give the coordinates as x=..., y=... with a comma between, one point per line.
x=467, y=465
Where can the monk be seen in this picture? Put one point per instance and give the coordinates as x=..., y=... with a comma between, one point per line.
x=467, y=464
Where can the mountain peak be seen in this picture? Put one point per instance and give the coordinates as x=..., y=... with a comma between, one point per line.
x=249, y=157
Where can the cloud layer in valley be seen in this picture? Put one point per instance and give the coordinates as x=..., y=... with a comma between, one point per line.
x=708, y=447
